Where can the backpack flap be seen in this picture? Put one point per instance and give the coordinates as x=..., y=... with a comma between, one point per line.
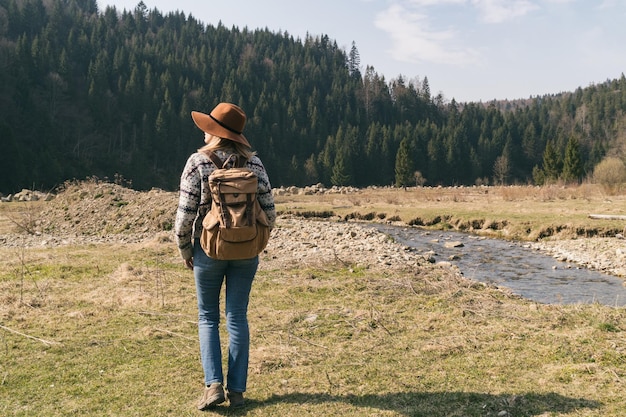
x=233, y=181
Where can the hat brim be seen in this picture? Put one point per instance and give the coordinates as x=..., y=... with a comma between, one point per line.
x=208, y=125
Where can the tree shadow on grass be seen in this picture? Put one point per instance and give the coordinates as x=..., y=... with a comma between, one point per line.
x=434, y=404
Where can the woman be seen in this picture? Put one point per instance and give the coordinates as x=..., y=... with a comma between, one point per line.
x=223, y=136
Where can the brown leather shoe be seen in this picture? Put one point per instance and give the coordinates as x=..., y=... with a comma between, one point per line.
x=212, y=396
x=235, y=399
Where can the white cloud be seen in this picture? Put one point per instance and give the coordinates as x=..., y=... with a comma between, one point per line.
x=413, y=40
x=435, y=2
x=498, y=11
x=492, y=11
x=416, y=38
x=608, y=4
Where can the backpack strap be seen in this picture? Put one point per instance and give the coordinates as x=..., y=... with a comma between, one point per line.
x=216, y=159
x=240, y=161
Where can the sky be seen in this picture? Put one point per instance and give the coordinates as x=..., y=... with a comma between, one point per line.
x=470, y=50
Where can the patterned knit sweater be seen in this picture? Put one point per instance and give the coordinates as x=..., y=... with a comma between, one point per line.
x=194, y=200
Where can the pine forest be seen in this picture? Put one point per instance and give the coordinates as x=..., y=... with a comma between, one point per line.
x=108, y=93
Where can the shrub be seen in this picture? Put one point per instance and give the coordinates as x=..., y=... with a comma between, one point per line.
x=611, y=174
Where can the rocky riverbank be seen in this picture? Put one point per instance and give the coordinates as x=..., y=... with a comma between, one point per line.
x=309, y=243
x=101, y=212
x=318, y=242
x=314, y=243
x=93, y=212
x=607, y=255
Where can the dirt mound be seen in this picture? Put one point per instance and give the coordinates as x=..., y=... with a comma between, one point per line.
x=99, y=208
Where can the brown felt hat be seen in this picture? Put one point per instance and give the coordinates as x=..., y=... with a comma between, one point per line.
x=226, y=121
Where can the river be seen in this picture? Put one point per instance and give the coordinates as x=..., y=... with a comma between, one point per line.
x=514, y=265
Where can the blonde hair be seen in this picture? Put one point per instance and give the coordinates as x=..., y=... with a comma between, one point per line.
x=215, y=143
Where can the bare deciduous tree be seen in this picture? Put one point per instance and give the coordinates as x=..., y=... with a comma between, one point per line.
x=419, y=179
x=501, y=170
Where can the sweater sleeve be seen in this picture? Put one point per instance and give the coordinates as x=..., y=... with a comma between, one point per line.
x=188, y=202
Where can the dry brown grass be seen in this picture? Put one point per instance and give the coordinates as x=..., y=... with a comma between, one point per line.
x=513, y=212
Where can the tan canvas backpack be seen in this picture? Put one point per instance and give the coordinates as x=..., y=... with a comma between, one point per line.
x=236, y=227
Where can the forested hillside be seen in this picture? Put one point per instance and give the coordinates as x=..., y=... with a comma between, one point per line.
x=108, y=92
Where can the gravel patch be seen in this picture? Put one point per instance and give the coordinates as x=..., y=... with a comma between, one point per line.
x=318, y=243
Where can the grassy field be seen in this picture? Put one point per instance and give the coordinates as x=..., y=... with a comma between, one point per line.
x=110, y=330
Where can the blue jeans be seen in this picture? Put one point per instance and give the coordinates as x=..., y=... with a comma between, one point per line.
x=209, y=275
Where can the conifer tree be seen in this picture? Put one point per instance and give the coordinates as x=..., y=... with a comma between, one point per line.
x=572, y=164
x=341, y=171
x=354, y=62
x=551, y=163
x=404, y=165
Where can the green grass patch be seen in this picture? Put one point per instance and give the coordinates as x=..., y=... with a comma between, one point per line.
x=113, y=333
